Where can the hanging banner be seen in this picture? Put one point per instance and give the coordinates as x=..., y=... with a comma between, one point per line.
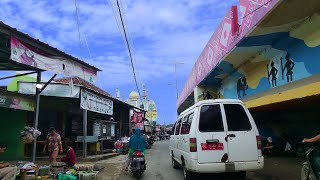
x=136, y=117
x=24, y=54
x=152, y=115
x=95, y=103
x=15, y=102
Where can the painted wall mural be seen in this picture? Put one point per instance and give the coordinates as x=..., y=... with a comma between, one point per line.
x=286, y=61
x=224, y=39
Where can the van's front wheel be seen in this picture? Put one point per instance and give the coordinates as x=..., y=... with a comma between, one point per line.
x=186, y=174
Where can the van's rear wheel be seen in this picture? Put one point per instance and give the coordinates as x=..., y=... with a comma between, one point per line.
x=175, y=164
x=186, y=174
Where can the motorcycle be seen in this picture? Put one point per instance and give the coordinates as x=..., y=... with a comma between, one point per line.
x=138, y=164
x=311, y=167
x=148, y=142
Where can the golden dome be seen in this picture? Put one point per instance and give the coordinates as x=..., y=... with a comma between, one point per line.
x=134, y=95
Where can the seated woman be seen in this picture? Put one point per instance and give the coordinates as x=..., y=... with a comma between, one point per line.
x=70, y=157
x=7, y=172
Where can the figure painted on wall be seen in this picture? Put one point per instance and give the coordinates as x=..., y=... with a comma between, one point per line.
x=273, y=74
x=289, y=65
x=242, y=86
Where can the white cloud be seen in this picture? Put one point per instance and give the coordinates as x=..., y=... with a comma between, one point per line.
x=161, y=31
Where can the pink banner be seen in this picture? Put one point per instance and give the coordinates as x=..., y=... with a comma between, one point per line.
x=136, y=117
x=224, y=39
x=22, y=53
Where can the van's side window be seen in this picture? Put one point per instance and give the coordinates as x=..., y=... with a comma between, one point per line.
x=186, y=124
x=211, y=119
x=173, y=129
x=178, y=125
x=237, y=118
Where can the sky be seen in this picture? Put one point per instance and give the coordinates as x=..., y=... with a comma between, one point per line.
x=160, y=32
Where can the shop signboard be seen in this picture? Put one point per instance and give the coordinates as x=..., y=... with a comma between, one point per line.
x=24, y=54
x=152, y=115
x=96, y=129
x=16, y=102
x=136, y=117
x=57, y=90
x=104, y=129
x=95, y=103
x=113, y=130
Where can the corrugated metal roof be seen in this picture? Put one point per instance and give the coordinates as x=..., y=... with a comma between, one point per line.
x=87, y=85
x=84, y=83
x=40, y=45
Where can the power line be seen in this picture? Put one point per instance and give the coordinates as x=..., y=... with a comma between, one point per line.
x=79, y=32
x=140, y=80
x=129, y=50
x=78, y=23
x=117, y=19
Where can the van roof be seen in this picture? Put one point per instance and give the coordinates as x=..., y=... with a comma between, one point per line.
x=212, y=101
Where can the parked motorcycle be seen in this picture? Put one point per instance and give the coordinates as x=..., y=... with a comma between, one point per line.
x=138, y=164
x=311, y=167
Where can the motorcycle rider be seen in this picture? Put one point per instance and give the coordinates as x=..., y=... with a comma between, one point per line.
x=137, y=142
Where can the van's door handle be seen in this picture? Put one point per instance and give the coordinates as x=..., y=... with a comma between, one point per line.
x=229, y=135
x=212, y=141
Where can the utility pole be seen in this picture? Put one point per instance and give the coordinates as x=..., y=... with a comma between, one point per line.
x=175, y=73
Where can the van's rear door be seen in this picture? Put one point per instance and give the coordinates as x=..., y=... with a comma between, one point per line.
x=241, y=135
x=211, y=146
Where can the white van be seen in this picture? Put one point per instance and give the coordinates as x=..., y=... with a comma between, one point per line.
x=216, y=136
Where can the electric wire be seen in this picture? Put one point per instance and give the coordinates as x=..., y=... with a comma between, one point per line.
x=129, y=49
x=79, y=34
x=78, y=23
x=140, y=80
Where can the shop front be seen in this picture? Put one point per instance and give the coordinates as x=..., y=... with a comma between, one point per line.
x=83, y=113
x=15, y=110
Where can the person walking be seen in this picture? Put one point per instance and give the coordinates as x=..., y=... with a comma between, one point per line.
x=53, y=145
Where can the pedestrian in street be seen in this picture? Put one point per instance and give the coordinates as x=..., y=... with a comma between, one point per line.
x=53, y=145
x=137, y=142
x=7, y=172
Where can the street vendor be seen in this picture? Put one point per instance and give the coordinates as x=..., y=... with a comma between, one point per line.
x=70, y=158
x=6, y=171
x=53, y=144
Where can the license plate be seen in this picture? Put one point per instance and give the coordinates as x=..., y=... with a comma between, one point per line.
x=138, y=159
x=212, y=146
